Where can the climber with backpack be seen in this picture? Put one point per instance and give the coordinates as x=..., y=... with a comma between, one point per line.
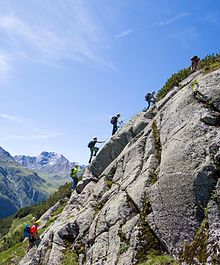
x=74, y=175
x=27, y=230
x=34, y=238
x=114, y=121
x=150, y=98
x=195, y=63
x=93, y=149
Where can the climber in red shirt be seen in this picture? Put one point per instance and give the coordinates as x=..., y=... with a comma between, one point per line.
x=33, y=234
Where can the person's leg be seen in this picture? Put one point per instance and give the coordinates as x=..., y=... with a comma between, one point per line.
x=91, y=154
x=96, y=149
x=115, y=127
x=148, y=102
x=31, y=241
x=75, y=181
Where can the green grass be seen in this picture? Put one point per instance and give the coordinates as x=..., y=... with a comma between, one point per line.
x=155, y=259
x=15, y=233
x=17, y=252
x=69, y=258
x=11, y=228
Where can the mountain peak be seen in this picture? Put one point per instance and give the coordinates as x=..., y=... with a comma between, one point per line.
x=5, y=154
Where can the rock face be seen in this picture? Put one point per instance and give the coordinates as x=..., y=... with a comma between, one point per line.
x=19, y=187
x=154, y=186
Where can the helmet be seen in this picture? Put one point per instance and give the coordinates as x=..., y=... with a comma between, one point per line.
x=33, y=219
x=153, y=92
x=76, y=165
x=94, y=138
x=38, y=222
x=118, y=115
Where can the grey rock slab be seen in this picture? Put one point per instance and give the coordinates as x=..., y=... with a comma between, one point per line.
x=117, y=143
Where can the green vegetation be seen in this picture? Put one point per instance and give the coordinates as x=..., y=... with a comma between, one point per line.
x=41, y=208
x=5, y=225
x=11, y=228
x=156, y=136
x=15, y=233
x=208, y=103
x=153, y=177
x=197, y=248
x=69, y=256
x=147, y=238
x=153, y=258
x=194, y=83
x=173, y=81
x=14, y=254
x=123, y=248
x=124, y=242
x=109, y=182
x=208, y=64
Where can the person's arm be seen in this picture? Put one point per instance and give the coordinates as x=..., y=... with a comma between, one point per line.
x=100, y=142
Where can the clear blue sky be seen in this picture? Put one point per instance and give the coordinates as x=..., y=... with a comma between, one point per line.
x=66, y=66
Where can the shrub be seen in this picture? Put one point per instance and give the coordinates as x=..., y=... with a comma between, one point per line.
x=208, y=64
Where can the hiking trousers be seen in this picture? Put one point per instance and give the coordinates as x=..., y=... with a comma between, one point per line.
x=75, y=182
x=93, y=151
x=115, y=128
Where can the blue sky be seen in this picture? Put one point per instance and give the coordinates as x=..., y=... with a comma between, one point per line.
x=67, y=66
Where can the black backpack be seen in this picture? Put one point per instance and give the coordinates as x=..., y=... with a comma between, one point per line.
x=113, y=119
x=148, y=96
x=91, y=144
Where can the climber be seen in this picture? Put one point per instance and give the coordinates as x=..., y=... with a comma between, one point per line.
x=27, y=228
x=114, y=121
x=195, y=62
x=92, y=147
x=74, y=175
x=149, y=97
x=34, y=238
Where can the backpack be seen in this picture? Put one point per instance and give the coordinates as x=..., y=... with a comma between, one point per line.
x=27, y=231
x=113, y=120
x=147, y=96
x=91, y=144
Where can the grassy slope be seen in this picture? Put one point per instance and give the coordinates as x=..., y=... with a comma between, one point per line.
x=11, y=228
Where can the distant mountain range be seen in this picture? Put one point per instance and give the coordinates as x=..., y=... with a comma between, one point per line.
x=26, y=180
x=19, y=186
x=52, y=167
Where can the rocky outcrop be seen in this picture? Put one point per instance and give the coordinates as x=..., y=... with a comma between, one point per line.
x=153, y=186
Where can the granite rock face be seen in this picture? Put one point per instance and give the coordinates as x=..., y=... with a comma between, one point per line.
x=153, y=186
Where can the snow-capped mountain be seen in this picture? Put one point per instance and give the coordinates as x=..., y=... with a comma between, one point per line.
x=49, y=162
x=53, y=167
